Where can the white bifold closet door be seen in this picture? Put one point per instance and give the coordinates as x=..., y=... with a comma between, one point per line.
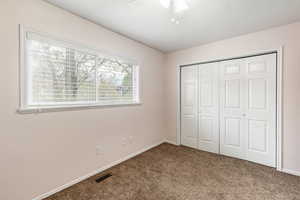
x=200, y=107
x=248, y=109
x=229, y=107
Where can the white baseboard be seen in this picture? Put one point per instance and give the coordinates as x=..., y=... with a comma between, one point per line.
x=47, y=194
x=171, y=142
x=292, y=172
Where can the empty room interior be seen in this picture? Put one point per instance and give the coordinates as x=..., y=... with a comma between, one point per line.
x=150, y=100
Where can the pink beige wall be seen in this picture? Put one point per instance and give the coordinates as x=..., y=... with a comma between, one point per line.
x=289, y=37
x=39, y=152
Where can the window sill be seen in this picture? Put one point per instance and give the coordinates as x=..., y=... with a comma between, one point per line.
x=45, y=109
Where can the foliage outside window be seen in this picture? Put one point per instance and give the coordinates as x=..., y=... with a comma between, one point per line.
x=58, y=74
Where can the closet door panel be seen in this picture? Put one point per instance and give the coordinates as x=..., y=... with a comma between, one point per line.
x=208, y=108
x=232, y=138
x=261, y=109
x=189, y=135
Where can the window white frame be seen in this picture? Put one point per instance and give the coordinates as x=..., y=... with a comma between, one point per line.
x=24, y=74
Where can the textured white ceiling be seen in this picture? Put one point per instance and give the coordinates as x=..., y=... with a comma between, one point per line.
x=206, y=20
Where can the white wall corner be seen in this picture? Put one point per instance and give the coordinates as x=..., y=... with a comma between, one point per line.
x=171, y=142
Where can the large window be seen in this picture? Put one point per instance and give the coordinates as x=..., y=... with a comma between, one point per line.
x=57, y=74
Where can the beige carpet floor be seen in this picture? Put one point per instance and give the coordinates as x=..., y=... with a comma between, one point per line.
x=169, y=172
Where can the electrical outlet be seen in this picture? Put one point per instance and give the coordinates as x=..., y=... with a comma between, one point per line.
x=130, y=139
x=124, y=142
x=99, y=151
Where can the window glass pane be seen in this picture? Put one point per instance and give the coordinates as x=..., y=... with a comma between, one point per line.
x=115, y=80
x=60, y=75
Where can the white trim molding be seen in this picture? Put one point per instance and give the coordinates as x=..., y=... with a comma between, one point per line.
x=79, y=179
x=291, y=172
x=178, y=128
x=72, y=108
x=279, y=90
x=279, y=112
